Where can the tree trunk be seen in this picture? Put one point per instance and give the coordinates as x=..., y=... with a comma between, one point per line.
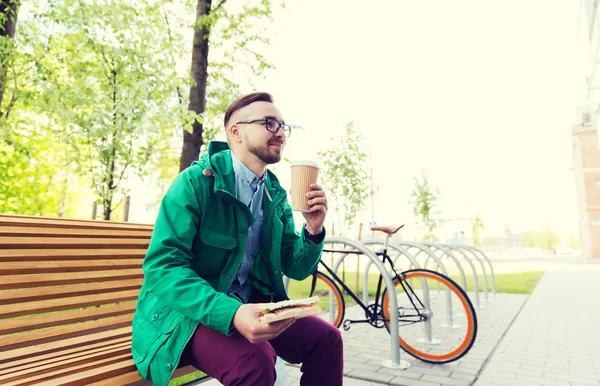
x=8, y=8
x=193, y=142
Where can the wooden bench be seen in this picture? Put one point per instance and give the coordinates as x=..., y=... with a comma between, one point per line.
x=68, y=290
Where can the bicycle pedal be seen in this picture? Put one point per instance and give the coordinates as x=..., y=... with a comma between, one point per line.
x=347, y=324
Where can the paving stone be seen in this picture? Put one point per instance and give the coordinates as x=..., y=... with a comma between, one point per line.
x=570, y=378
x=585, y=374
x=461, y=376
x=402, y=373
x=371, y=376
x=412, y=382
x=445, y=380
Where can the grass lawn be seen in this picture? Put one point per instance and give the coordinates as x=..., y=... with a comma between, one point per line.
x=186, y=378
x=515, y=283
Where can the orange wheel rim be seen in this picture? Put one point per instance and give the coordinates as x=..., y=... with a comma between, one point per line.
x=470, y=319
x=338, y=315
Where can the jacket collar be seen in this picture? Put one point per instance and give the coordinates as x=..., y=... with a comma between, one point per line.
x=221, y=166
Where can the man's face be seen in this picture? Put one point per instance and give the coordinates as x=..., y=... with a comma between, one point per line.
x=254, y=137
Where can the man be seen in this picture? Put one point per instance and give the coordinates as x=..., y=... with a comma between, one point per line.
x=223, y=238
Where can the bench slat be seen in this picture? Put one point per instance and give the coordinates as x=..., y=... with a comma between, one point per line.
x=134, y=378
x=80, y=373
x=63, y=222
x=49, y=242
x=73, y=232
x=66, y=362
x=68, y=254
x=32, y=361
x=17, y=268
x=62, y=304
x=42, y=293
x=11, y=326
x=53, y=272
x=60, y=346
x=32, y=338
x=52, y=279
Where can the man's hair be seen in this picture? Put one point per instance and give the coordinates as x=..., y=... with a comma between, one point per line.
x=245, y=101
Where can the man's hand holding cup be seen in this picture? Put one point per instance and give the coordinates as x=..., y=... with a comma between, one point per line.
x=308, y=197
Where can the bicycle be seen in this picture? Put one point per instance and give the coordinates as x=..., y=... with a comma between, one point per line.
x=415, y=307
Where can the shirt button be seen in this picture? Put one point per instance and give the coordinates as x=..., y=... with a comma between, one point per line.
x=228, y=276
x=169, y=367
x=154, y=317
x=242, y=230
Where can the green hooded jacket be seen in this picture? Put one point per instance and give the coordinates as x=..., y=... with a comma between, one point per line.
x=196, y=249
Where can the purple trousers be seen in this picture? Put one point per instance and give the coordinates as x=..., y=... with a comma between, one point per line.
x=233, y=360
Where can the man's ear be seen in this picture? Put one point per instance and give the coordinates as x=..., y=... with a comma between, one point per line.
x=234, y=132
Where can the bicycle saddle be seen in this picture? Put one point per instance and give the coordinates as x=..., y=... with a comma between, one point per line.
x=388, y=230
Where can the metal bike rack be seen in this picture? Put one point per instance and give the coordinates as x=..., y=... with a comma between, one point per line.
x=485, y=281
x=449, y=253
x=475, y=276
x=430, y=255
x=473, y=250
x=395, y=362
x=391, y=244
x=426, y=298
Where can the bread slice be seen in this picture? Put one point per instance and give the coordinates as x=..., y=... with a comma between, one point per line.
x=296, y=308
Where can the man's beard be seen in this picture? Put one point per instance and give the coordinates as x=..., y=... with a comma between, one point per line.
x=264, y=153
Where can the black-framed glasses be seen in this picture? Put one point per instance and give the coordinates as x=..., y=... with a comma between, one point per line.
x=272, y=125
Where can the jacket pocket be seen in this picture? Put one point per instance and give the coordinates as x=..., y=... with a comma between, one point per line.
x=213, y=250
x=153, y=323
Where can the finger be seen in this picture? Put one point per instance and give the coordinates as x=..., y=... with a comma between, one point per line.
x=318, y=200
x=316, y=187
x=315, y=193
x=317, y=208
x=272, y=329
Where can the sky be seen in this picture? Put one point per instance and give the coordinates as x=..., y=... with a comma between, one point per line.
x=479, y=95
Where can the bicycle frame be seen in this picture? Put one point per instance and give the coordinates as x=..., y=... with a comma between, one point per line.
x=376, y=315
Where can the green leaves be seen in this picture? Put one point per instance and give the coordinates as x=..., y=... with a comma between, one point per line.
x=344, y=175
x=477, y=226
x=424, y=200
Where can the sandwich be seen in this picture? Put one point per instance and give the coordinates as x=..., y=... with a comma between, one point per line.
x=298, y=308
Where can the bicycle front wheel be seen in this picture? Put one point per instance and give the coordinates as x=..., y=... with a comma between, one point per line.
x=437, y=321
x=330, y=296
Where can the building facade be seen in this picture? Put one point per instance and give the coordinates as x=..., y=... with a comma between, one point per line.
x=585, y=138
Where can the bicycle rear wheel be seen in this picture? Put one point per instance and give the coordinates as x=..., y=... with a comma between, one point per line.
x=437, y=321
x=330, y=296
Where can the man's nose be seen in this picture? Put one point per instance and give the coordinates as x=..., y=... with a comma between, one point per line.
x=280, y=133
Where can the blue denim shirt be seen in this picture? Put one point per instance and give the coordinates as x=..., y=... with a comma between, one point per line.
x=249, y=189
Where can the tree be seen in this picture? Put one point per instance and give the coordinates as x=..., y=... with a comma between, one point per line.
x=216, y=24
x=8, y=24
x=546, y=239
x=424, y=199
x=32, y=156
x=117, y=95
x=344, y=175
x=477, y=226
x=574, y=242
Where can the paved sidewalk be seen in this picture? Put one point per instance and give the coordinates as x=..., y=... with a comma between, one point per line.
x=365, y=348
x=551, y=337
x=555, y=340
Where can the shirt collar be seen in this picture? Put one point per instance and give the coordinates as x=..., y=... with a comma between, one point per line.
x=242, y=172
